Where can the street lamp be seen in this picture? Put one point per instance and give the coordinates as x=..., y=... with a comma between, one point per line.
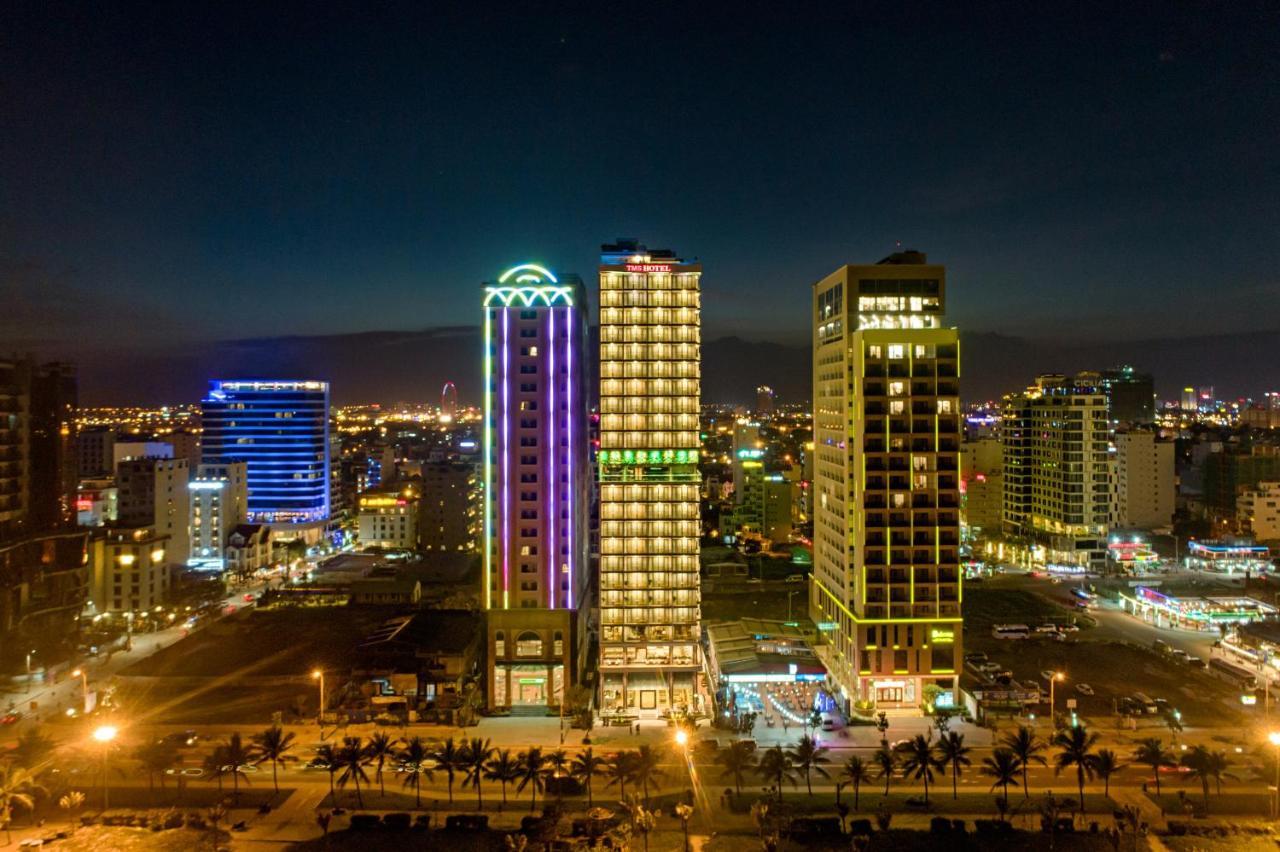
x=682, y=737
x=84, y=687
x=105, y=734
x=1274, y=737
x=319, y=675
x=30, y=654
x=1053, y=707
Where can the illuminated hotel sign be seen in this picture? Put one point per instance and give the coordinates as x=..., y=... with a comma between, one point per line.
x=648, y=267
x=942, y=637
x=380, y=502
x=648, y=456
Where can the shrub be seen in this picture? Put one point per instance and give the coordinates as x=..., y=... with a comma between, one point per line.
x=396, y=822
x=940, y=825
x=364, y=822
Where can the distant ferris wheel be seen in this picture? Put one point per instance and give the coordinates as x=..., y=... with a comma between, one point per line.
x=449, y=401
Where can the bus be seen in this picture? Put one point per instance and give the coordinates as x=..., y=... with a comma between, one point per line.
x=1242, y=678
x=1011, y=631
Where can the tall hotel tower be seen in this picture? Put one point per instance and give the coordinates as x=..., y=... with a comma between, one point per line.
x=280, y=430
x=649, y=481
x=536, y=486
x=886, y=420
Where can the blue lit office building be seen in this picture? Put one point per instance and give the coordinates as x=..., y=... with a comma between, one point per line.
x=280, y=429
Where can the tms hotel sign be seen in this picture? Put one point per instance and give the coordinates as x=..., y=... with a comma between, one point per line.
x=648, y=267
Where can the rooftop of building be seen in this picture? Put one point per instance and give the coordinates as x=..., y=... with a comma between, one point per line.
x=443, y=631
x=907, y=257
x=762, y=646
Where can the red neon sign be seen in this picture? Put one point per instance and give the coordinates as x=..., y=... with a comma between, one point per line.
x=648, y=267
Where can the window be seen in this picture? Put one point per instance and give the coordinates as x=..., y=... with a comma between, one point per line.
x=528, y=644
x=944, y=406
x=897, y=350
x=557, y=644
x=875, y=351
x=896, y=388
x=897, y=406
x=500, y=644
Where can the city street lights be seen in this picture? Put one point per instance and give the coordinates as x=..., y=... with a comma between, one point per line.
x=319, y=675
x=682, y=737
x=105, y=734
x=30, y=654
x=1053, y=707
x=84, y=688
x=1274, y=737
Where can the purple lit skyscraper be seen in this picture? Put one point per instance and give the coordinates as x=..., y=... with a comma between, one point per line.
x=536, y=484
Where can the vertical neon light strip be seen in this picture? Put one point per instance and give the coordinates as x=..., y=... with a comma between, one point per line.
x=570, y=329
x=553, y=559
x=506, y=459
x=488, y=459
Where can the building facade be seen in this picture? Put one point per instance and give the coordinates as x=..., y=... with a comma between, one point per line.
x=449, y=512
x=153, y=492
x=248, y=549
x=280, y=429
x=982, y=473
x=219, y=502
x=1258, y=510
x=388, y=519
x=650, y=393
x=130, y=570
x=1131, y=395
x=1146, y=489
x=535, y=476
x=1058, y=470
x=43, y=574
x=886, y=584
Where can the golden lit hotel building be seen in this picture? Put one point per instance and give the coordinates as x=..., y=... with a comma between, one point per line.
x=649, y=481
x=886, y=585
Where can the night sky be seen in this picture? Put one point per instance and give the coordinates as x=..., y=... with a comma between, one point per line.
x=171, y=173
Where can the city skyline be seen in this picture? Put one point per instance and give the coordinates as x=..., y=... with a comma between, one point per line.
x=1096, y=173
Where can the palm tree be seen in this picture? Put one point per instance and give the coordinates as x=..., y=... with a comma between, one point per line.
x=213, y=764
x=1218, y=765
x=328, y=757
x=273, y=746
x=954, y=753
x=620, y=770
x=886, y=763
x=1026, y=746
x=585, y=766
x=155, y=759
x=530, y=766
x=17, y=787
x=684, y=811
x=237, y=756
x=352, y=759
x=1151, y=752
x=1075, y=748
x=380, y=748
x=448, y=756
x=554, y=766
x=32, y=749
x=1197, y=763
x=503, y=769
x=1106, y=764
x=646, y=770
x=1003, y=766
x=918, y=761
x=776, y=766
x=735, y=761
x=415, y=757
x=858, y=773
x=475, y=754
x=808, y=757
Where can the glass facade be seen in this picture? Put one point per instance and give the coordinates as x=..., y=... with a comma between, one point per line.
x=280, y=429
x=649, y=480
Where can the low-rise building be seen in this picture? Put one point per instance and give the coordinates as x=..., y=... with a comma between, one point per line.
x=386, y=591
x=388, y=519
x=248, y=550
x=1258, y=511
x=97, y=502
x=129, y=569
x=434, y=655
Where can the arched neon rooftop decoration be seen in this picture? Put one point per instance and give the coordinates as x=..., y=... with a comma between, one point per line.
x=534, y=285
x=541, y=273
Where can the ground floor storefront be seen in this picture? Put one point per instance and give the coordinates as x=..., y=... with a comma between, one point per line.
x=528, y=685
x=652, y=694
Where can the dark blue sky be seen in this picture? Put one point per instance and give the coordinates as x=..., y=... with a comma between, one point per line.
x=266, y=169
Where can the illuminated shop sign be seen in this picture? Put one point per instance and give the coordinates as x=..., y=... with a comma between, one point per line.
x=648, y=456
x=942, y=637
x=648, y=267
x=750, y=454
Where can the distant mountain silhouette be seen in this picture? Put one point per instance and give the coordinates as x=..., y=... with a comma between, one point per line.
x=391, y=366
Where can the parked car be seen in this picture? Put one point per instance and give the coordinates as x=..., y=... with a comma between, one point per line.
x=988, y=667
x=180, y=738
x=1197, y=663
x=1084, y=689
x=1180, y=655
x=976, y=657
x=1047, y=628
x=796, y=578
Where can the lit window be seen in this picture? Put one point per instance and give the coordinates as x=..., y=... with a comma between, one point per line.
x=944, y=406
x=874, y=352
x=897, y=406
x=897, y=350
x=528, y=644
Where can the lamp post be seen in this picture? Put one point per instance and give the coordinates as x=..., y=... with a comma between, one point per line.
x=319, y=675
x=1274, y=737
x=105, y=734
x=84, y=688
x=790, y=595
x=1053, y=706
x=30, y=654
